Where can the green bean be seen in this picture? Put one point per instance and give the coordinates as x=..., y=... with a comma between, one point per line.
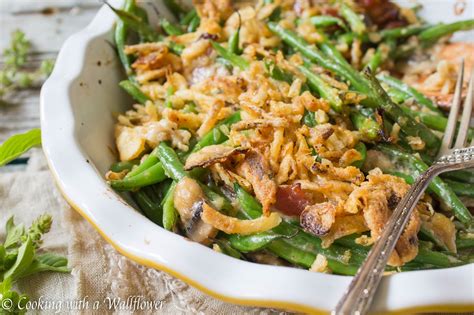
x=122, y=166
x=440, y=188
x=358, y=82
x=121, y=32
x=151, y=171
x=327, y=20
x=134, y=91
x=417, y=96
x=149, y=176
x=362, y=149
x=464, y=241
x=331, y=60
x=148, y=33
x=428, y=234
x=170, y=28
x=408, y=124
x=355, y=21
x=169, y=93
x=397, y=96
x=375, y=61
x=137, y=24
x=150, y=160
x=152, y=210
x=401, y=32
x=234, y=41
x=427, y=256
x=174, y=8
x=217, y=135
x=461, y=189
x=249, y=206
x=300, y=249
x=310, y=52
x=292, y=254
x=366, y=125
x=235, y=60
x=228, y=250
x=170, y=215
x=188, y=17
x=277, y=73
x=194, y=24
x=348, y=38
x=465, y=176
x=217, y=200
x=254, y=242
x=433, y=121
x=435, y=32
x=317, y=84
x=172, y=166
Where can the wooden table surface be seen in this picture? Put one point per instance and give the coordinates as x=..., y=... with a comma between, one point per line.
x=47, y=24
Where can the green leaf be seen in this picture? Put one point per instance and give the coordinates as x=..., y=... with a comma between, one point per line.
x=10, y=301
x=40, y=226
x=47, y=262
x=25, y=256
x=3, y=253
x=16, y=145
x=14, y=233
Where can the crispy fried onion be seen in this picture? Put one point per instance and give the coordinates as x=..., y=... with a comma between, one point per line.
x=232, y=225
x=443, y=228
x=210, y=155
x=377, y=198
x=344, y=226
x=256, y=170
x=348, y=174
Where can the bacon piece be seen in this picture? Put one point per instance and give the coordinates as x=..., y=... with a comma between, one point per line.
x=383, y=13
x=291, y=200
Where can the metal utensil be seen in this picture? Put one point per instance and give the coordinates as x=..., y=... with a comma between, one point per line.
x=358, y=297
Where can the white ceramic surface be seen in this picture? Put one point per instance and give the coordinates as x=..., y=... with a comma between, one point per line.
x=77, y=103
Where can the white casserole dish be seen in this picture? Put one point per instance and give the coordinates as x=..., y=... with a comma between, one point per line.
x=77, y=103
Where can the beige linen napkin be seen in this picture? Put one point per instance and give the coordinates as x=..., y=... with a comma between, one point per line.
x=99, y=273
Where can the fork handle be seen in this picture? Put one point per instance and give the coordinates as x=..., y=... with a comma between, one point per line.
x=359, y=295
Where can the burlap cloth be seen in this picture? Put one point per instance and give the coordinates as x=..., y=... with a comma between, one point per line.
x=99, y=273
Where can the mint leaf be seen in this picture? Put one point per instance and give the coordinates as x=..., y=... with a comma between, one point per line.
x=3, y=253
x=40, y=226
x=47, y=262
x=19, y=144
x=14, y=233
x=10, y=301
x=25, y=256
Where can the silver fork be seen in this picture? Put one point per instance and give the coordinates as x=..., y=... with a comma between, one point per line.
x=358, y=297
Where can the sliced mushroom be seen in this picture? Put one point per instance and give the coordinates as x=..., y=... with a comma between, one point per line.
x=319, y=218
x=210, y=155
x=257, y=171
x=188, y=201
x=130, y=143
